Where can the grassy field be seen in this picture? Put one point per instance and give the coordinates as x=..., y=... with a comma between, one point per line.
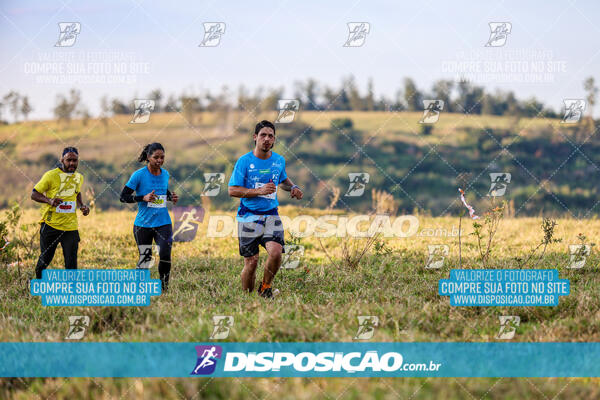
x=320, y=301
x=322, y=298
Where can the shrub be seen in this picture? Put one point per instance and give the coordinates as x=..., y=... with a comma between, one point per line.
x=341, y=123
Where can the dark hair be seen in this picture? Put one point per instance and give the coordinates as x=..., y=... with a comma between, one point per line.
x=263, y=124
x=149, y=149
x=70, y=150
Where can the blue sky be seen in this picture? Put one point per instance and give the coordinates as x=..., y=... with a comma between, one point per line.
x=276, y=43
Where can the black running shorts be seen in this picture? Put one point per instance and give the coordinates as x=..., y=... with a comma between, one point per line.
x=251, y=234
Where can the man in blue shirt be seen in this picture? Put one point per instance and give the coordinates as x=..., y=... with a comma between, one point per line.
x=254, y=180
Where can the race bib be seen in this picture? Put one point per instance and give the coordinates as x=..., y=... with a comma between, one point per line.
x=159, y=202
x=66, y=207
x=271, y=196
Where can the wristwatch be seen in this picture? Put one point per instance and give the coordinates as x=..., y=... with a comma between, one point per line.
x=294, y=186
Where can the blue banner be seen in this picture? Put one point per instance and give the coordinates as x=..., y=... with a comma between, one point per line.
x=300, y=359
x=504, y=287
x=95, y=287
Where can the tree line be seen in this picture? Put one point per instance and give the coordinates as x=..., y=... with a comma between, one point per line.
x=459, y=97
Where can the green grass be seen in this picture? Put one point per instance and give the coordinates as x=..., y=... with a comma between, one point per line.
x=319, y=301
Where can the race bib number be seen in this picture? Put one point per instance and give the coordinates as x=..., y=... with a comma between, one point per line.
x=271, y=196
x=159, y=202
x=66, y=207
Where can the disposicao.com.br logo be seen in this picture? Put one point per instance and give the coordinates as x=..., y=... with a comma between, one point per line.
x=305, y=363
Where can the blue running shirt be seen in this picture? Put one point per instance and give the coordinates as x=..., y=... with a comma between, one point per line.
x=151, y=215
x=252, y=172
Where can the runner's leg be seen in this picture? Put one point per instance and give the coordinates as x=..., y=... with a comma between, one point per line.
x=69, y=241
x=273, y=241
x=164, y=240
x=49, y=238
x=249, y=273
x=249, y=234
x=143, y=237
x=273, y=263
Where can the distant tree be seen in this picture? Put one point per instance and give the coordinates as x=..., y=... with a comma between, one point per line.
x=219, y=102
x=412, y=97
x=118, y=107
x=307, y=92
x=469, y=98
x=26, y=108
x=355, y=101
x=172, y=104
x=532, y=108
x=270, y=101
x=370, y=97
x=591, y=90
x=104, y=112
x=85, y=116
x=330, y=97
x=157, y=96
x=398, y=104
x=442, y=90
x=488, y=104
x=12, y=100
x=189, y=106
x=245, y=101
x=62, y=109
x=512, y=104
x=65, y=107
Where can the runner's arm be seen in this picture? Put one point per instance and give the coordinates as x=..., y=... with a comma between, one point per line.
x=128, y=197
x=40, y=198
x=242, y=192
x=84, y=208
x=79, y=200
x=286, y=185
x=289, y=186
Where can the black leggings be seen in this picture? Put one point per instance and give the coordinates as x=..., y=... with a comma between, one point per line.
x=49, y=240
x=163, y=237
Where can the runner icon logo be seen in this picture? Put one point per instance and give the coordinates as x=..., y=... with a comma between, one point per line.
x=213, y=183
x=437, y=255
x=498, y=34
x=68, y=33
x=77, y=326
x=574, y=109
x=212, y=34
x=291, y=257
x=579, y=254
x=508, y=326
x=208, y=357
x=358, y=183
x=366, y=327
x=500, y=181
x=186, y=222
x=287, y=110
x=357, y=33
x=142, y=110
x=222, y=327
x=146, y=259
x=431, y=111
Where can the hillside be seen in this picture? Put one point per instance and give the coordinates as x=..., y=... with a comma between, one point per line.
x=553, y=166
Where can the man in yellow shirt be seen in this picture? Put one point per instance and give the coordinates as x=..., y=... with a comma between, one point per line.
x=60, y=192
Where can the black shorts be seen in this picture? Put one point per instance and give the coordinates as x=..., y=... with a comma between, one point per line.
x=251, y=234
